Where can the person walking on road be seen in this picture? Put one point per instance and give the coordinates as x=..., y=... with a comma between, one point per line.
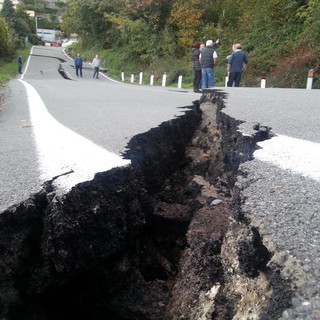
x=96, y=66
x=208, y=59
x=196, y=66
x=20, y=64
x=236, y=64
x=78, y=65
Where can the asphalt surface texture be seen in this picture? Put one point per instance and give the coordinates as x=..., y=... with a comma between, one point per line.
x=283, y=201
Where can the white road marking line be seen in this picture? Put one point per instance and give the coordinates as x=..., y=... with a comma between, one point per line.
x=61, y=150
x=297, y=155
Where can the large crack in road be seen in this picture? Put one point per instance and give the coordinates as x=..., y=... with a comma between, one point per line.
x=163, y=238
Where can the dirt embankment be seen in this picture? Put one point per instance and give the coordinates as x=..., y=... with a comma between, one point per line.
x=161, y=239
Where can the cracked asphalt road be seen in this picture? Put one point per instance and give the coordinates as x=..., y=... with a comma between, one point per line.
x=281, y=189
x=104, y=113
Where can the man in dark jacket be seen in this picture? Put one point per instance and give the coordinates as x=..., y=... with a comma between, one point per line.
x=236, y=64
x=208, y=59
x=196, y=66
x=78, y=65
x=20, y=64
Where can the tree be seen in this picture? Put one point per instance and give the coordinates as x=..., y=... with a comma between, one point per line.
x=8, y=13
x=86, y=18
x=5, y=40
x=186, y=20
x=311, y=15
x=24, y=25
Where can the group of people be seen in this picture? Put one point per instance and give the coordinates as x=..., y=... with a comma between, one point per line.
x=78, y=63
x=205, y=58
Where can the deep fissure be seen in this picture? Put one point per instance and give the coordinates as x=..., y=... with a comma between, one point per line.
x=163, y=238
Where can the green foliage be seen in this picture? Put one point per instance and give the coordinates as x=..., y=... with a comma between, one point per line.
x=186, y=17
x=8, y=13
x=34, y=39
x=20, y=26
x=24, y=24
x=155, y=35
x=6, y=48
x=44, y=23
x=9, y=68
x=86, y=19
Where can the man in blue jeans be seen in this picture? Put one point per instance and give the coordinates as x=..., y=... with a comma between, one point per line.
x=208, y=59
x=78, y=65
x=236, y=64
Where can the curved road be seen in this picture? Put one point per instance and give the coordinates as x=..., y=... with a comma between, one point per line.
x=52, y=126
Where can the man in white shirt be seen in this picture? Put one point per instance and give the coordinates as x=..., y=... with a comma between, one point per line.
x=208, y=59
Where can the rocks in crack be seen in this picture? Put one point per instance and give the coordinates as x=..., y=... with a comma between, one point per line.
x=215, y=202
x=248, y=251
x=245, y=291
x=253, y=255
x=263, y=132
x=193, y=296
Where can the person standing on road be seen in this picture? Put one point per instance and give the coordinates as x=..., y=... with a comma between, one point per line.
x=208, y=59
x=236, y=64
x=20, y=64
x=78, y=65
x=196, y=66
x=96, y=66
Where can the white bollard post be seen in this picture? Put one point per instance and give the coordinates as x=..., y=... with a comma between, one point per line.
x=122, y=76
x=263, y=79
x=140, y=77
x=310, y=79
x=180, y=82
x=132, y=78
x=151, y=80
x=164, y=79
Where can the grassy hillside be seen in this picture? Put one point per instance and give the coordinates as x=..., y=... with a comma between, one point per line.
x=280, y=37
x=283, y=69
x=9, y=68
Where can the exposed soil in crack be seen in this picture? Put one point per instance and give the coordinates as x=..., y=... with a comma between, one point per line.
x=163, y=238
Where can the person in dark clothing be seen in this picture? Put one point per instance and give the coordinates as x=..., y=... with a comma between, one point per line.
x=208, y=59
x=236, y=64
x=196, y=66
x=78, y=65
x=20, y=64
